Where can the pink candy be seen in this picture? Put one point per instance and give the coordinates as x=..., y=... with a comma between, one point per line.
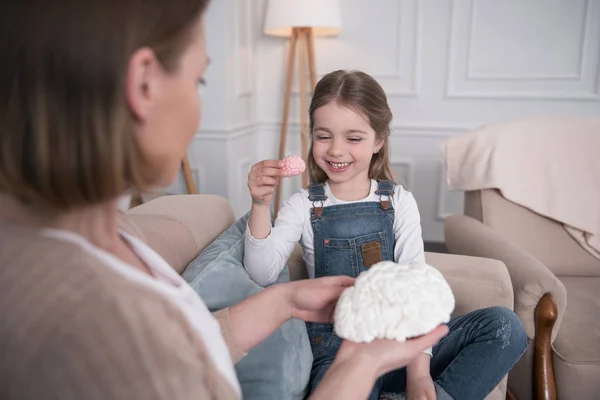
x=293, y=165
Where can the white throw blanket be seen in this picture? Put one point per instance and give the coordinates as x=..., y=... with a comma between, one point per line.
x=550, y=166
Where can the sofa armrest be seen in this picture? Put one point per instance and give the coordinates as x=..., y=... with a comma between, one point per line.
x=530, y=278
x=476, y=282
x=179, y=227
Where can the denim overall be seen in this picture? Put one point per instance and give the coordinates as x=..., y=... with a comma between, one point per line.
x=349, y=238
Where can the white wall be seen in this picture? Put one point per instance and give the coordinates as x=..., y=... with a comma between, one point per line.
x=446, y=65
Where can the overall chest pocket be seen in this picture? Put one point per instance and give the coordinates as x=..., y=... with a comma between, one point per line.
x=353, y=256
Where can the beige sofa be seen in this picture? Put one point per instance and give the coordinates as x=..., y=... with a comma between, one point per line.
x=557, y=293
x=180, y=226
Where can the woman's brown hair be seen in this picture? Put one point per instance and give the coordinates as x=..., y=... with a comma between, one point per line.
x=362, y=93
x=66, y=137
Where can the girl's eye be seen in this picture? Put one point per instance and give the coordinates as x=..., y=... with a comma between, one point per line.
x=319, y=137
x=354, y=140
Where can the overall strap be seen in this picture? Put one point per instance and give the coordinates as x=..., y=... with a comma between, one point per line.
x=316, y=193
x=385, y=188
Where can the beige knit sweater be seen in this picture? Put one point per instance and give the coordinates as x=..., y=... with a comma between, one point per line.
x=73, y=329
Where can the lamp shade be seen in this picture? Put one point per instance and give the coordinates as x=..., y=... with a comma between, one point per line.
x=324, y=16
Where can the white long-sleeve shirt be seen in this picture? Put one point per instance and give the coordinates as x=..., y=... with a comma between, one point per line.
x=264, y=259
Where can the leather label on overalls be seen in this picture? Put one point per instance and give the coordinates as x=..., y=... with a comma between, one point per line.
x=371, y=253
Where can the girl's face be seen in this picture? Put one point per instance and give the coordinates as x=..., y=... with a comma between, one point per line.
x=167, y=107
x=343, y=143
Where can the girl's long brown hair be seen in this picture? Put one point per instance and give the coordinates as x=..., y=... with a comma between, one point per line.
x=362, y=93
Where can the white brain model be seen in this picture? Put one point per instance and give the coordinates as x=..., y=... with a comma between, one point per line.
x=392, y=301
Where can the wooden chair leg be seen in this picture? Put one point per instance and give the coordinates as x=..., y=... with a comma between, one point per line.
x=544, y=384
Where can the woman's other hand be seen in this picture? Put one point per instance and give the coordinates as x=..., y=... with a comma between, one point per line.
x=389, y=355
x=314, y=300
x=420, y=388
x=357, y=366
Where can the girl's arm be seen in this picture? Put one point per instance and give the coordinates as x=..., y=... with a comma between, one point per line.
x=259, y=224
x=266, y=249
x=409, y=246
x=263, y=179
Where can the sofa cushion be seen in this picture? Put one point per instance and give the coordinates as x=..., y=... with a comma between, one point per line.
x=475, y=281
x=178, y=227
x=278, y=368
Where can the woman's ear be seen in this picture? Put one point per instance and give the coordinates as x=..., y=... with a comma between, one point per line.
x=142, y=82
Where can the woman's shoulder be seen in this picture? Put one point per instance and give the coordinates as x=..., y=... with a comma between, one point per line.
x=36, y=266
x=48, y=278
x=58, y=296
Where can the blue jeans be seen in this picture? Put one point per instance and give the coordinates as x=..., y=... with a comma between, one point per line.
x=479, y=350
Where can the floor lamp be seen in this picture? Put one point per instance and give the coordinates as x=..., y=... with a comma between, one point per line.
x=301, y=21
x=190, y=184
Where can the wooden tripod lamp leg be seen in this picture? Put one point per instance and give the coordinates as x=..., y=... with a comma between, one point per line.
x=187, y=175
x=310, y=39
x=303, y=49
x=311, y=60
x=286, y=109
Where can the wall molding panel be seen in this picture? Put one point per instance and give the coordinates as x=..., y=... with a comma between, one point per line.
x=442, y=213
x=403, y=81
x=472, y=43
x=242, y=197
x=243, y=60
x=404, y=170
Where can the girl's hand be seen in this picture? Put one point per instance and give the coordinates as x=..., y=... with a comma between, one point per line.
x=262, y=180
x=420, y=388
x=389, y=355
x=314, y=300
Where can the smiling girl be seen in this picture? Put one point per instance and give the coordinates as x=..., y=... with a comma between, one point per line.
x=354, y=215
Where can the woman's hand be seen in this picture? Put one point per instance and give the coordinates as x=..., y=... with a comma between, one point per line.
x=262, y=180
x=420, y=388
x=419, y=385
x=309, y=299
x=389, y=355
x=314, y=300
